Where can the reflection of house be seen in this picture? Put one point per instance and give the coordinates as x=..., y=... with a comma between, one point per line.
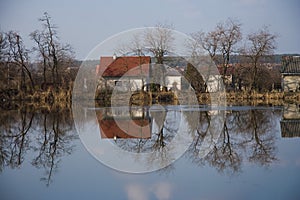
x=124, y=73
x=290, y=123
x=124, y=123
x=291, y=73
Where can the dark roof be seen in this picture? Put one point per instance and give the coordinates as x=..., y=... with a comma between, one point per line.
x=110, y=67
x=290, y=128
x=291, y=65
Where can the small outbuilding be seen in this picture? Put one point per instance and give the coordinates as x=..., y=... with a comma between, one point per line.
x=290, y=73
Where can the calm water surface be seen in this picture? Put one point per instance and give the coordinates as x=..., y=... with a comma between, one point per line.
x=255, y=156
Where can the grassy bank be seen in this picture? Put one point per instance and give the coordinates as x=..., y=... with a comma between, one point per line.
x=63, y=98
x=37, y=99
x=171, y=98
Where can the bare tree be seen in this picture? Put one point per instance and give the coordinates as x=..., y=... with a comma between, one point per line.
x=159, y=41
x=230, y=35
x=4, y=75
x=207, y=41
x=260, y=44
x=220, y=43
x=3, y=47
x=52, y=52
x=40, y=41
x=18, y=54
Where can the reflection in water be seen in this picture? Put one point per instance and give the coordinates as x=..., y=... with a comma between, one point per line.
x=14, y=137
x=128, y=124
x=46, y=135
x=290, y=123
x=245, y=136
x=154, y=130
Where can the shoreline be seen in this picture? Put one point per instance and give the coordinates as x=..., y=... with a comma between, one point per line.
x=63, y=98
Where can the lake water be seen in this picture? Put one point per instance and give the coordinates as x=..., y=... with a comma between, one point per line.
x=237, y=152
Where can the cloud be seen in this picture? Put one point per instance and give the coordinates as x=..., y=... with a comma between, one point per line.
x=136, y=192
x=162, y=191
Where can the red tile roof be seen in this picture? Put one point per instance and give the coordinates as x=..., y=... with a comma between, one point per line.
x=110, y=67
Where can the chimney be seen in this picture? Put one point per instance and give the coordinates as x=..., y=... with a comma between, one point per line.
x=114, y=56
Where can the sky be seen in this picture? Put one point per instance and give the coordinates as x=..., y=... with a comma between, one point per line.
x=84, y=24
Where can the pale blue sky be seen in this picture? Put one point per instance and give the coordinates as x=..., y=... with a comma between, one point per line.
x=84, y=24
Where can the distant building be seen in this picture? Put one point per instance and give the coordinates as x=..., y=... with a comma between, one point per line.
x=128, y=73
x=291, y=73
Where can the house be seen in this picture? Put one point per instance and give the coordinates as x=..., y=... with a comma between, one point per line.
x=128, y=73
x=290, y=123
x=126, y=124
x=173, y=79
x=290, y=73
x=212, y=78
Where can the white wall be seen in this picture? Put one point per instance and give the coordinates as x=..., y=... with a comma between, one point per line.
x=173, y=80
x=291, y=83
x=214, y=83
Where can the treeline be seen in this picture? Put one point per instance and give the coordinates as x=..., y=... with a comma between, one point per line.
x=49, y=65
x=244, y=62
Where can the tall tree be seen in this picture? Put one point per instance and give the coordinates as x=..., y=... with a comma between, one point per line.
x=259, y=45
x=3, y=47
x=4, y=72
x=220, y=43
x=159, y=41
x=18, y=55
x=53, y=53
x=40, y=41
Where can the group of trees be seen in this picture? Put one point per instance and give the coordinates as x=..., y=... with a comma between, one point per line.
x=244, y=59
x=39, y=67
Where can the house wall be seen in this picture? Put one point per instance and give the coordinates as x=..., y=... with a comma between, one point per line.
x=291, y=83
x=125, y=85
x=214, y=83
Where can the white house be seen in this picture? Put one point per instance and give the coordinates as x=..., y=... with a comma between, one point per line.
x=123, y=73
x=173, y=79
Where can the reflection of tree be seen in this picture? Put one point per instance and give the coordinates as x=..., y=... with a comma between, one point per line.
x=54, y=142
x=23, y=132
x=260, y=137
x=164, y=126
x=224, y=156
x=245, y=134
x=14, y=139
